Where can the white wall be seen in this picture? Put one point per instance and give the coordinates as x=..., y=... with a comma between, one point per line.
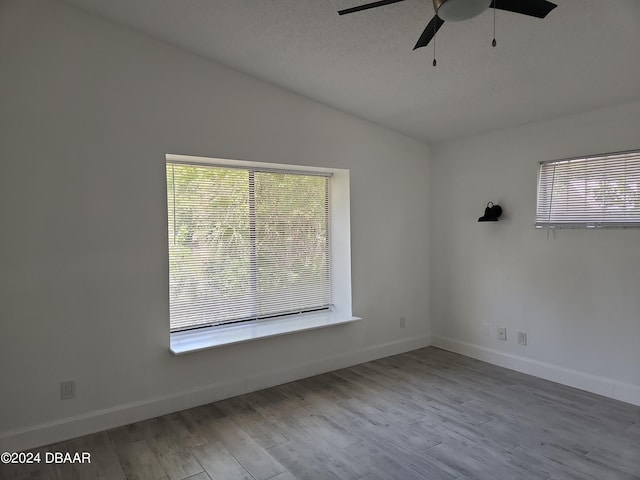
x=87, y=112
x=576, y=293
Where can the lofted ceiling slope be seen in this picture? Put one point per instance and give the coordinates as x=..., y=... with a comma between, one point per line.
x=584, y=55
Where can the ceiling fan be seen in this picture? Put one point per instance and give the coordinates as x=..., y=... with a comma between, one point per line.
x=459, y=10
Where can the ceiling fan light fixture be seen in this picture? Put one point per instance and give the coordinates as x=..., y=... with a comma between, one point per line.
x=459, y=10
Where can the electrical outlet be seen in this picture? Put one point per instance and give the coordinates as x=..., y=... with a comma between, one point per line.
x=502, y=334
x=403, y=322
x=522, y=338
x=67, y=390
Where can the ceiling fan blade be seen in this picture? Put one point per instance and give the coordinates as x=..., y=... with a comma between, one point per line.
x=367, y=6
x=533, y=8
x=429, y=31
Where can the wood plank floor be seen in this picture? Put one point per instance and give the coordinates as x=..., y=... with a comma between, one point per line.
x=426, y=414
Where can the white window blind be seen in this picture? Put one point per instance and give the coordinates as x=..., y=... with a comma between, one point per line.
x=601, y=191
x=245, y=244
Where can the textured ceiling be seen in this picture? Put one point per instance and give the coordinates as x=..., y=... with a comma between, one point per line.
x=584, y=55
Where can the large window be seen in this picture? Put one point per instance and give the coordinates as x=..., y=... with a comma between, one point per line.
x=601, y=191
x=246, y=243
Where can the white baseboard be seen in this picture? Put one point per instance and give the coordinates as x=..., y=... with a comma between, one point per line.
x=96, y=421
x=625, y=392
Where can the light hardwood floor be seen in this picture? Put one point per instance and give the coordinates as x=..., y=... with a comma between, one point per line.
x=426, y=414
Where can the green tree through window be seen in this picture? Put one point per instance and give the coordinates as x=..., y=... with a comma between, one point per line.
x=245, y=244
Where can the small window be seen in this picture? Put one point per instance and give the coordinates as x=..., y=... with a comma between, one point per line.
x=601, y=191
x=246, y=243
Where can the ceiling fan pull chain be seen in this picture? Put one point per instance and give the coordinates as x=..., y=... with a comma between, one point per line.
x=434, y=44
x=495, y=7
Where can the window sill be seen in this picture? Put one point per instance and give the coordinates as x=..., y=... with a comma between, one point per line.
x=213, y=337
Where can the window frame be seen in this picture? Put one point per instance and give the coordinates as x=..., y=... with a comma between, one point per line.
x=582, y=217
x=340, y=264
